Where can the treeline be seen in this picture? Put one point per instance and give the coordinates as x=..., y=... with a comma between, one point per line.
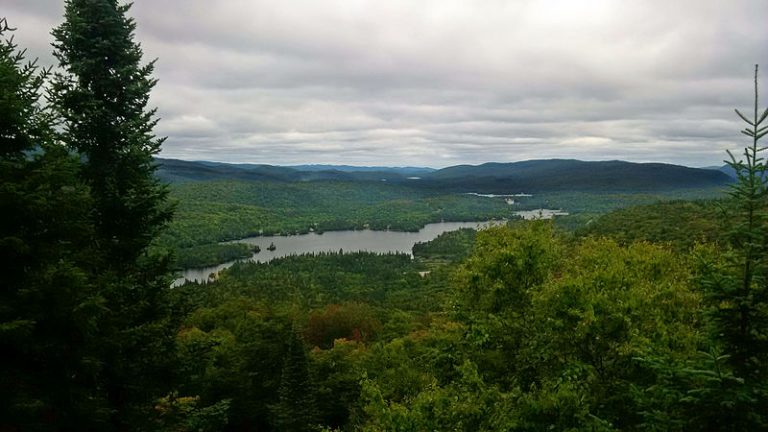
x=533, y=329
x=211, y=255
x=451, y=246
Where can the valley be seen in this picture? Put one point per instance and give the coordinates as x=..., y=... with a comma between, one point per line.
x=219, y=203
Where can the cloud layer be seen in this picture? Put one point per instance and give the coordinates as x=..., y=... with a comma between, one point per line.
x=442, y=82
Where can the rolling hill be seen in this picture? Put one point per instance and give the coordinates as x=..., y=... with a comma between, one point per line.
x=568, y=174
x=502, y=178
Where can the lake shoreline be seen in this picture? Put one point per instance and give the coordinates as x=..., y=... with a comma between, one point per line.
x=363, y=240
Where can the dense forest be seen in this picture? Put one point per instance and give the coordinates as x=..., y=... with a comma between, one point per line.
x=210, y=212
x=216, y=211
x=644, y=318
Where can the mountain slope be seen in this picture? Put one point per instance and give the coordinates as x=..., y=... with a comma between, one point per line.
x=176, y=171
x=406, y=171
x=179, y=171
x=502, y=178
x=567, y=174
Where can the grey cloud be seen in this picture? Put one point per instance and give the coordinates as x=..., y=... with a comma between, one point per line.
x=440, y=82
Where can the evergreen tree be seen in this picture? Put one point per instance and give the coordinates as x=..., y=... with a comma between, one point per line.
x=740, y=302
x=46, y=300
x=296, y=410
x=738, y=295
x=736, y=292
x=102, y=94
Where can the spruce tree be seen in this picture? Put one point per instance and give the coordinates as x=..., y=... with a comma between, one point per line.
x=296, y=410
x=47, y=303
x=101, y=94
x=736, y=294
x=739, y=297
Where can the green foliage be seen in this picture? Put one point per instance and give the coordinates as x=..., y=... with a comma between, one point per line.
x=234, y=352
x=216, y=211
x=233, y=343
x=451, y=246
x=183, y=414
x=100, y=92
x=679, y=223
x=734, y=285
x=24, y=123
x=296, y=409
x=512, y=262
x=467, y=404
x=388, y=280
x=611, y=305
x=210, y=254
x=699, y=393
x=47, y=302
x=555, y=330
x=597, y=203
x=350, y=321
x=739, y=296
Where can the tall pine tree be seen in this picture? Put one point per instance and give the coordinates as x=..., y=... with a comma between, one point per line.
x=101, y=94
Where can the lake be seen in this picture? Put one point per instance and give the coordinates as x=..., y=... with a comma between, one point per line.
x=347, y=241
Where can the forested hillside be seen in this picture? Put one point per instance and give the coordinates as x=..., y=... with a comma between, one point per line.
x=680, y=223
x=572, y=175
x=502, y=178
x=211, y=212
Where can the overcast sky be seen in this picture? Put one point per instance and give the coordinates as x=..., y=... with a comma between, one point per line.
x=438, y=83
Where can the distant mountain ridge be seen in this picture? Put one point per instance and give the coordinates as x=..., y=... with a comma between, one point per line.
x=571, y=174
x=492, y=177
x=175, y=170
x=406, y=170
x=727, y=169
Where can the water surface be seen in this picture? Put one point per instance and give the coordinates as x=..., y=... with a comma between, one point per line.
x=334, y=241
x=347, y=241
